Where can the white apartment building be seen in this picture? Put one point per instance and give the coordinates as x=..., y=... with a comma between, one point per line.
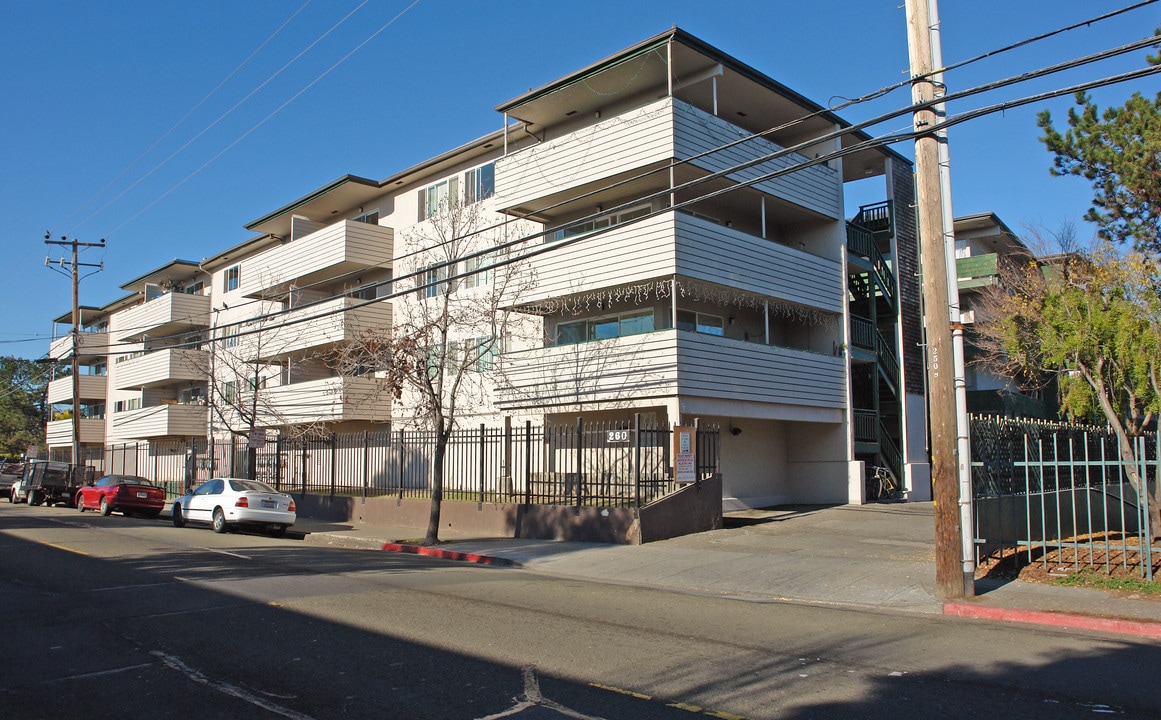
x=666, y=237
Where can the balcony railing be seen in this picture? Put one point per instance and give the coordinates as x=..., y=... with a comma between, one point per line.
x=171, y=419
x=90, y=346
x=162, y=367
x=669, y=363
x=92, y=387
x=332, y=252
x=652, y=136
x=60, y=432
x=171, y=314
x=337, y=320
x=674, y=243
x=332, y=399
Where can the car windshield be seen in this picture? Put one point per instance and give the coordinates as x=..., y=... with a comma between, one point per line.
x=127, y=480
x=251, y=486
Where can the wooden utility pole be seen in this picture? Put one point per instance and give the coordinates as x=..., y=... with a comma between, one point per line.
x=74, y=266
x=950, y=580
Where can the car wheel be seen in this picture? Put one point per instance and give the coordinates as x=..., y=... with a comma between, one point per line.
x=278, y=531
x=80, y=502
x=178, y=520
x=219, y=521
x=106, y=508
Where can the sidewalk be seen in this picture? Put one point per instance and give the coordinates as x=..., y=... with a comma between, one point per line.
x=872, y=556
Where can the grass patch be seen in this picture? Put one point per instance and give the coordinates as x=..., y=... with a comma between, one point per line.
x=1099, y=581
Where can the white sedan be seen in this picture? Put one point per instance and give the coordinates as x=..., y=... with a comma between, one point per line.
x=226, y=502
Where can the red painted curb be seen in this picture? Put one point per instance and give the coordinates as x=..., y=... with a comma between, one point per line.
x=1064, y=620
x=449, y=554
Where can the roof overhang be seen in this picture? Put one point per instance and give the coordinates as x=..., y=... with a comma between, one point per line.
x=174, y=271
x=340, y=196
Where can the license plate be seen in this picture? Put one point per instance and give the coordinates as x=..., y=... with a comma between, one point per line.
x=269, y=504
x=142, y=494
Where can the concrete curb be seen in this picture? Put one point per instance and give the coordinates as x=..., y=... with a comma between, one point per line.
x=451, y=555
x=1136, y=628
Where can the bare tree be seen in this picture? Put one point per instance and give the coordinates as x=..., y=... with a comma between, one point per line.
x=453, y=314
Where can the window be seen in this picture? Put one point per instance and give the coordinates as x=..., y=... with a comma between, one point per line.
x=126, y=405
x=195, y=289
x=230, y=337
x=487, y=348
x=371, y=218
x=229, y=392
x=599, y=223
x=438, y=198
x=476, y=277
x=633, y=323
x=435, y=282
x=377, y=289
x=231, y=277
x=700, y=322
x=480, y=184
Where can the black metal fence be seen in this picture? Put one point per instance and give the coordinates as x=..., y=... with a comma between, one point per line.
x=1059, y=493
x=589, y=464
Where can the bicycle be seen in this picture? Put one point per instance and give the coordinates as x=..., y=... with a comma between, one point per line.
x=882, y=485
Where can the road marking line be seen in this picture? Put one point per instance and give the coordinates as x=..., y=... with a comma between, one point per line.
x=226, y=552
x=61, y=547
x=175, y=663
x=677, y=705
x=99, y=673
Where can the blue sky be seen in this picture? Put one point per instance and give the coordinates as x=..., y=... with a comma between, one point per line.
x=92, y=89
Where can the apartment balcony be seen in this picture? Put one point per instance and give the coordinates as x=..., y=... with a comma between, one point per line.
x=160, y=421
x=90, y=346
x=669, y=363
x=336, y=250
x=331, y=399
x=92, y=387
x=170, y=314
x=160, y=368
x=650, y=137
x=675, y=243
x=977, y=271
x=59, y=433
x=335, y=321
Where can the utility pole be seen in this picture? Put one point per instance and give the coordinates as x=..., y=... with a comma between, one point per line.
x=74, y=266
x=950, y=581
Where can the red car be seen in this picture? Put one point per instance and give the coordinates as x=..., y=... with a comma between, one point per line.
x=127, y=494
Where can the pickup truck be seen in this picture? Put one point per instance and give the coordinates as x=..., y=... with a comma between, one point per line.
x=11, y=470
x=52, y=482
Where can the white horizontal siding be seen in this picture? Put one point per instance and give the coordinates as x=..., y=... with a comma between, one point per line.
x=724, y=256
x=162, y=367
x=733, y=370
x=615, y=257
x=330, y=399
x=92, y=387
x=178, y=311
x=817, y=188
x=343, y=247
x=60, y=432
x=334, y=321
x=159, y=421
x=90, y=345
x=670, y=363
x=675, y=243
x=631, y=140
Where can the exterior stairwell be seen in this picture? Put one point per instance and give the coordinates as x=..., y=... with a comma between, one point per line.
x=876, y=389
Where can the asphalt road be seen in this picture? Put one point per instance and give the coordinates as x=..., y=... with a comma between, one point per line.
x=125, y=618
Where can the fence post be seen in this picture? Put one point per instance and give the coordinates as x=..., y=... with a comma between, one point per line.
x=304, y=444
x=579, y=460
x=400, y=464
x=527, y=462
x=506, y=470
x=483, y=450
x=636, y=464
x=366, y=462
x=334, y=459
